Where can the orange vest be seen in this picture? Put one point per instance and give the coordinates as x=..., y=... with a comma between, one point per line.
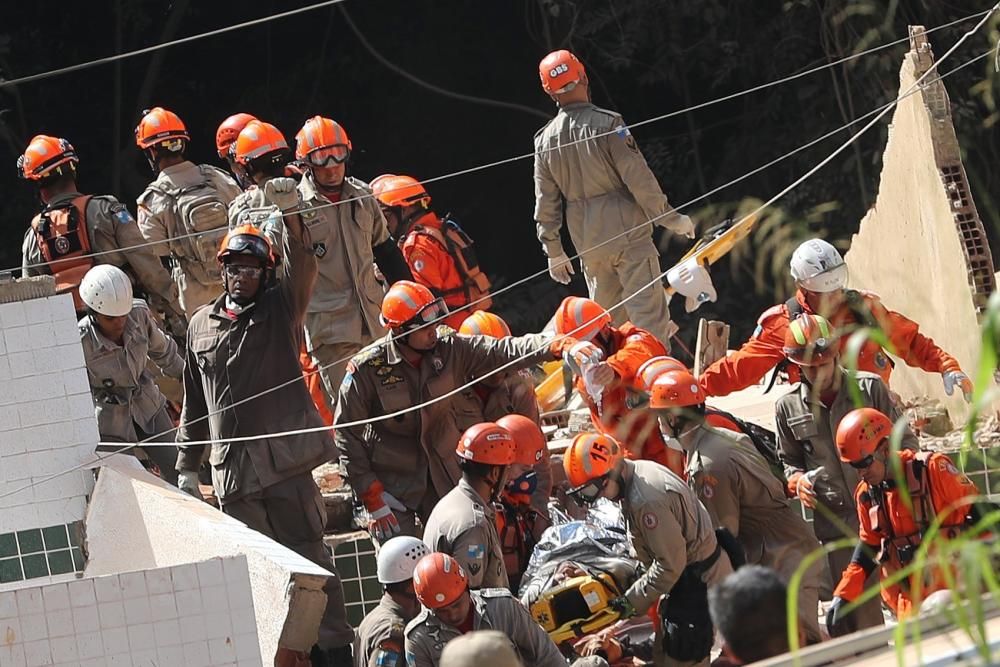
x=459, y=246
x=64, y=242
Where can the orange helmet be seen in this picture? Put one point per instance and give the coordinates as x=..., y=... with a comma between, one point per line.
x=581, y=318
x=589, y=461
x=408, y=302
x=401, y=191
x=481, y=323
x=486, y=443
x=560, y=71
x=377, y=183
x=529, y=441
x=322, y=143
x=810, y=340
x=228, y=130
x=260, y=141
x=45, y=155
x=653, y=368
x=859, y=433
x=438, y=580
x=247, y=240
x=675, y=389
x=158, y=126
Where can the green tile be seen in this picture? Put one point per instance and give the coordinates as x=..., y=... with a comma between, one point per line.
x=345, y=548
x=35, y=566
x=60, y=562
x=55, y=538
x=368, y=566
x=352, y=592
x=347, y=567
x=75, y=530
x=979, y=479
x=355, y=614
x=8, y=545
x=371, y=589
x=30, y=541
x=77, y=559
x=10, y=570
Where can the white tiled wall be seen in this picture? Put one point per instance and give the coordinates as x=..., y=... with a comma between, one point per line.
x=47, y=422
x=197, y=615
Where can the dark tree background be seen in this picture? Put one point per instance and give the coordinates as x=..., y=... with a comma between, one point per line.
x=356, y=62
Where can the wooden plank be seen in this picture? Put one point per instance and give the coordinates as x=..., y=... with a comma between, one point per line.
x=713, y=343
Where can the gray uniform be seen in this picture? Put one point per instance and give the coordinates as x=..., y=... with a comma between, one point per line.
x=110, y=228
x=463, y=525
x=605, y=188
x=125, y=393
x=413, y=454
x=741, y=494
x=379, y=640
x=805, y=436
x=195, y=269
x=343, y=314
x=493, y=609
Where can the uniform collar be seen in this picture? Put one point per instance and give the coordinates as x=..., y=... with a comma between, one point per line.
x=474, y=496
x=63, y=198
x=478, y=611
x=391, y=606
x=312, y=191
x=573, y=106
x=101, y=341
x=805, y=392
x=179, y=168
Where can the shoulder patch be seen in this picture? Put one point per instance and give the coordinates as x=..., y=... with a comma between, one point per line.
x=495, y=593
x=649, y=521
x=370, y=356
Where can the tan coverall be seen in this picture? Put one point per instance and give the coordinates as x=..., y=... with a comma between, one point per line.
x=669, y=530
x=493, y=609
x=343, y=313
x=126, y=397
x=413, y=454
x=463, y=525
x=805, y=436
x=379, y=641
x=605, y=188
x=741, y=494
x=111, y=227
x=265, y=483
x=198, y=281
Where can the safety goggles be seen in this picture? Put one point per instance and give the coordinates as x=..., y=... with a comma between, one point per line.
x=863, y=464
x=247, y=244
x=329, y=156
x=589, y=493
x=433, y=311
x=241, y=271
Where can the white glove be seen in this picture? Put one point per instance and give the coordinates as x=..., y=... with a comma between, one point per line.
x=561, y=268
x=582, y=356
x=187, y=481
x=681, y=225
x=382, y=524
x=392, y=502
x=804, y=487
x=954, y=379
x=281, y=192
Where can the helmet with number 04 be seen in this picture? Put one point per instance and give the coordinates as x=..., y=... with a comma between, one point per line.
x=653, y=368
x=322, y=142
x=560, y=72
x=47, y=156
x=408, y=304
x=529, y=441
x=398, y=557
x=580, y=318
x=486, y=443
x=247, y=240
x=228, y=130
x=481, y=323
x=107, y=290
x=161, y=126
x=860, y=432
x=438, y=580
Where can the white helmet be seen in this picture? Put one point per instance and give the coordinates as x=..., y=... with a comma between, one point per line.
x=398, y=557
x=107, y=290
x=818, y=267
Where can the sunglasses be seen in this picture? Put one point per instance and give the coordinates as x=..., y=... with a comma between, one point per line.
x=240, y=271
x=329, y=156
x=863, y=464
x=589, y=493
x=429, y=313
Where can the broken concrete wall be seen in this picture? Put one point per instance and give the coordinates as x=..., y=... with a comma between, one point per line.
x=922, y=247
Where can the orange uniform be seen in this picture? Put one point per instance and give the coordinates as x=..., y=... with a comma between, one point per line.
x=637, y=430
x=432, y=266
x=314, y=384
x=887, y=524
x=763, y=351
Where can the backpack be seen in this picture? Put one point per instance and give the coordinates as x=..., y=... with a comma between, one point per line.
x=460, y=247
x=64, y=243
x=764, y=441
x=198, y=209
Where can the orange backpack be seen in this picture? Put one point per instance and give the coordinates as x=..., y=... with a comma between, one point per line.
x=64, y=242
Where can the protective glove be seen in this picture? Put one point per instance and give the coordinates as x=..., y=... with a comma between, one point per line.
x=561, y=268
x=392, y=502
x=622, y=606
x=382, y=523
x=957, y=378
x=560, y=347
x=836, y=619
x=582, y=355
x=282, y=193
x=804, y=483
x=681, y=225
x=187, y=481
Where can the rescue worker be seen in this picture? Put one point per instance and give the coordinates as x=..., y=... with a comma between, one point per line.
x=821, y=280
x=379, y=642
x=400, y=464
x=349, y=239
x=671, y=534
x=482, y=647
x=184, y=209
x=741, y=494
x=225, y=137
x=590, y=172
x=806, y=419
x=463, y=523
x=622, y=350
x=451, y=610
x=119, y=338
x=64, y=238
x=244, y=344
x=889, y=525
x=439, y=253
